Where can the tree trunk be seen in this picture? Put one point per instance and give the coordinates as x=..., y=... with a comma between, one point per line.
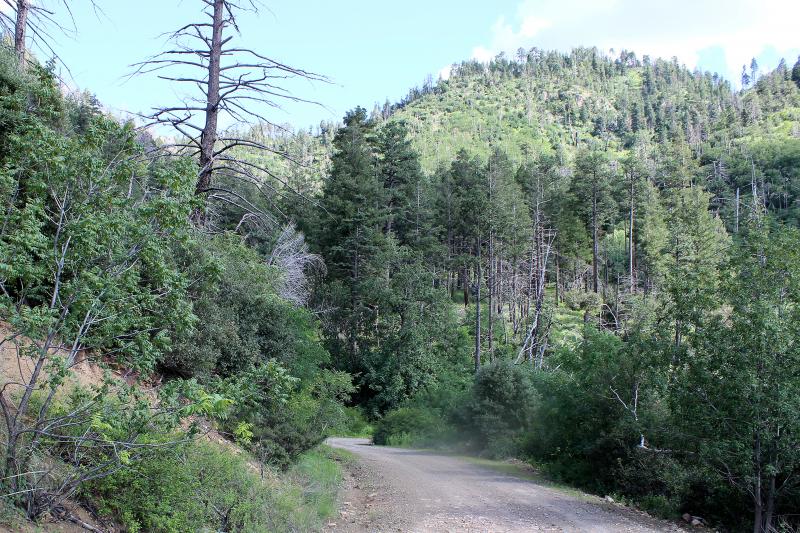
x=595, y=249
x=491, y=279
x=478, y=310
x=209, y=136
x=758, y=518
x=558, y=280
x=465, y=286
x=631, y=254
x=769, y=516
x=23, y=6
x=736, y=223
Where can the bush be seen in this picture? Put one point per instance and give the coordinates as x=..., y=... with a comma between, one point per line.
x=578, y=300
x=502, y=406
x=201, y=487
x=354, y=424
x=284, y=418
x=241, y=319
x=409, y=426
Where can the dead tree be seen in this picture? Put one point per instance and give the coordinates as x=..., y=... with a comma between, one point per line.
x=33, y=26
x=536, y=338
x=20, y=27
x=229, y=85
x=291, y=255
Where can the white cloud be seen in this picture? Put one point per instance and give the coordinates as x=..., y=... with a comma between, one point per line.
x=682, y=28
x=444, y=73
x=483, y=55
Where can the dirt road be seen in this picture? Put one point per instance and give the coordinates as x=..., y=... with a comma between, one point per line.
x=393, y=489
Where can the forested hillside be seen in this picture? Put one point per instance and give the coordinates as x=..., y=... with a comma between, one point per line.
x=585, y=262
x=161, y=370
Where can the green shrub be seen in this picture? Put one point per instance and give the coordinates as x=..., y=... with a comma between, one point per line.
x=409, y=426
x=355, y=424
x=578, y=300
x=200, y=486
x=501, y=410
x=242, y=321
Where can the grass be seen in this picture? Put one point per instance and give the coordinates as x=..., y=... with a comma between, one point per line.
x=10, y=516
x=319, y=474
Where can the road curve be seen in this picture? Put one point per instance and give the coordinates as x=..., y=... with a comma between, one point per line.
x=418, y=491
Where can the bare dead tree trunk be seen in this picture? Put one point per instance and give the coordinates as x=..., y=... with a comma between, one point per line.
x=491, y=289
x=631, y=254
x=478, y=308
x=536, y=339
x=208, y=136
x=595, y=245
x=229, y=84
x=20, y=28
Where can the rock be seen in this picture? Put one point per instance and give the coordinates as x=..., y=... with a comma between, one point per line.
x=609, y=499
x=687, y=517
x=697, y=521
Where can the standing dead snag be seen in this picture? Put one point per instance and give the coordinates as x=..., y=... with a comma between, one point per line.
x=21, y=24
x=32, y=24
x=536, y=339
x=230, y=85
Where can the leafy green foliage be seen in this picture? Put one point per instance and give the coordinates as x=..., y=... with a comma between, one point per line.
x=98, y=261
x=501, y=409
x=200, y=486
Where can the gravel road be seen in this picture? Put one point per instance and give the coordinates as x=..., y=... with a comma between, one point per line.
x=393, y=489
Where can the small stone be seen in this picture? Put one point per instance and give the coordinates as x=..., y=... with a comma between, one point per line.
x=609, y=499
x=687, y=517
x=697, y=521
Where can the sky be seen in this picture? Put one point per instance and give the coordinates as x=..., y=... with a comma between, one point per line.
x=374, y=50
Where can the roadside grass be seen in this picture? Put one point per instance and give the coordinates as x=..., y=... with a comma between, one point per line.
x=316, y=480
x=10, y=517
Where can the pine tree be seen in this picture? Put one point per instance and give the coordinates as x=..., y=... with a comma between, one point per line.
x=696, y=248
x=592, y=186
x=403, y=183
x=353, y=201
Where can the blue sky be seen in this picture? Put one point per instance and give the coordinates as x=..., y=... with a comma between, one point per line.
x=373, y=50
